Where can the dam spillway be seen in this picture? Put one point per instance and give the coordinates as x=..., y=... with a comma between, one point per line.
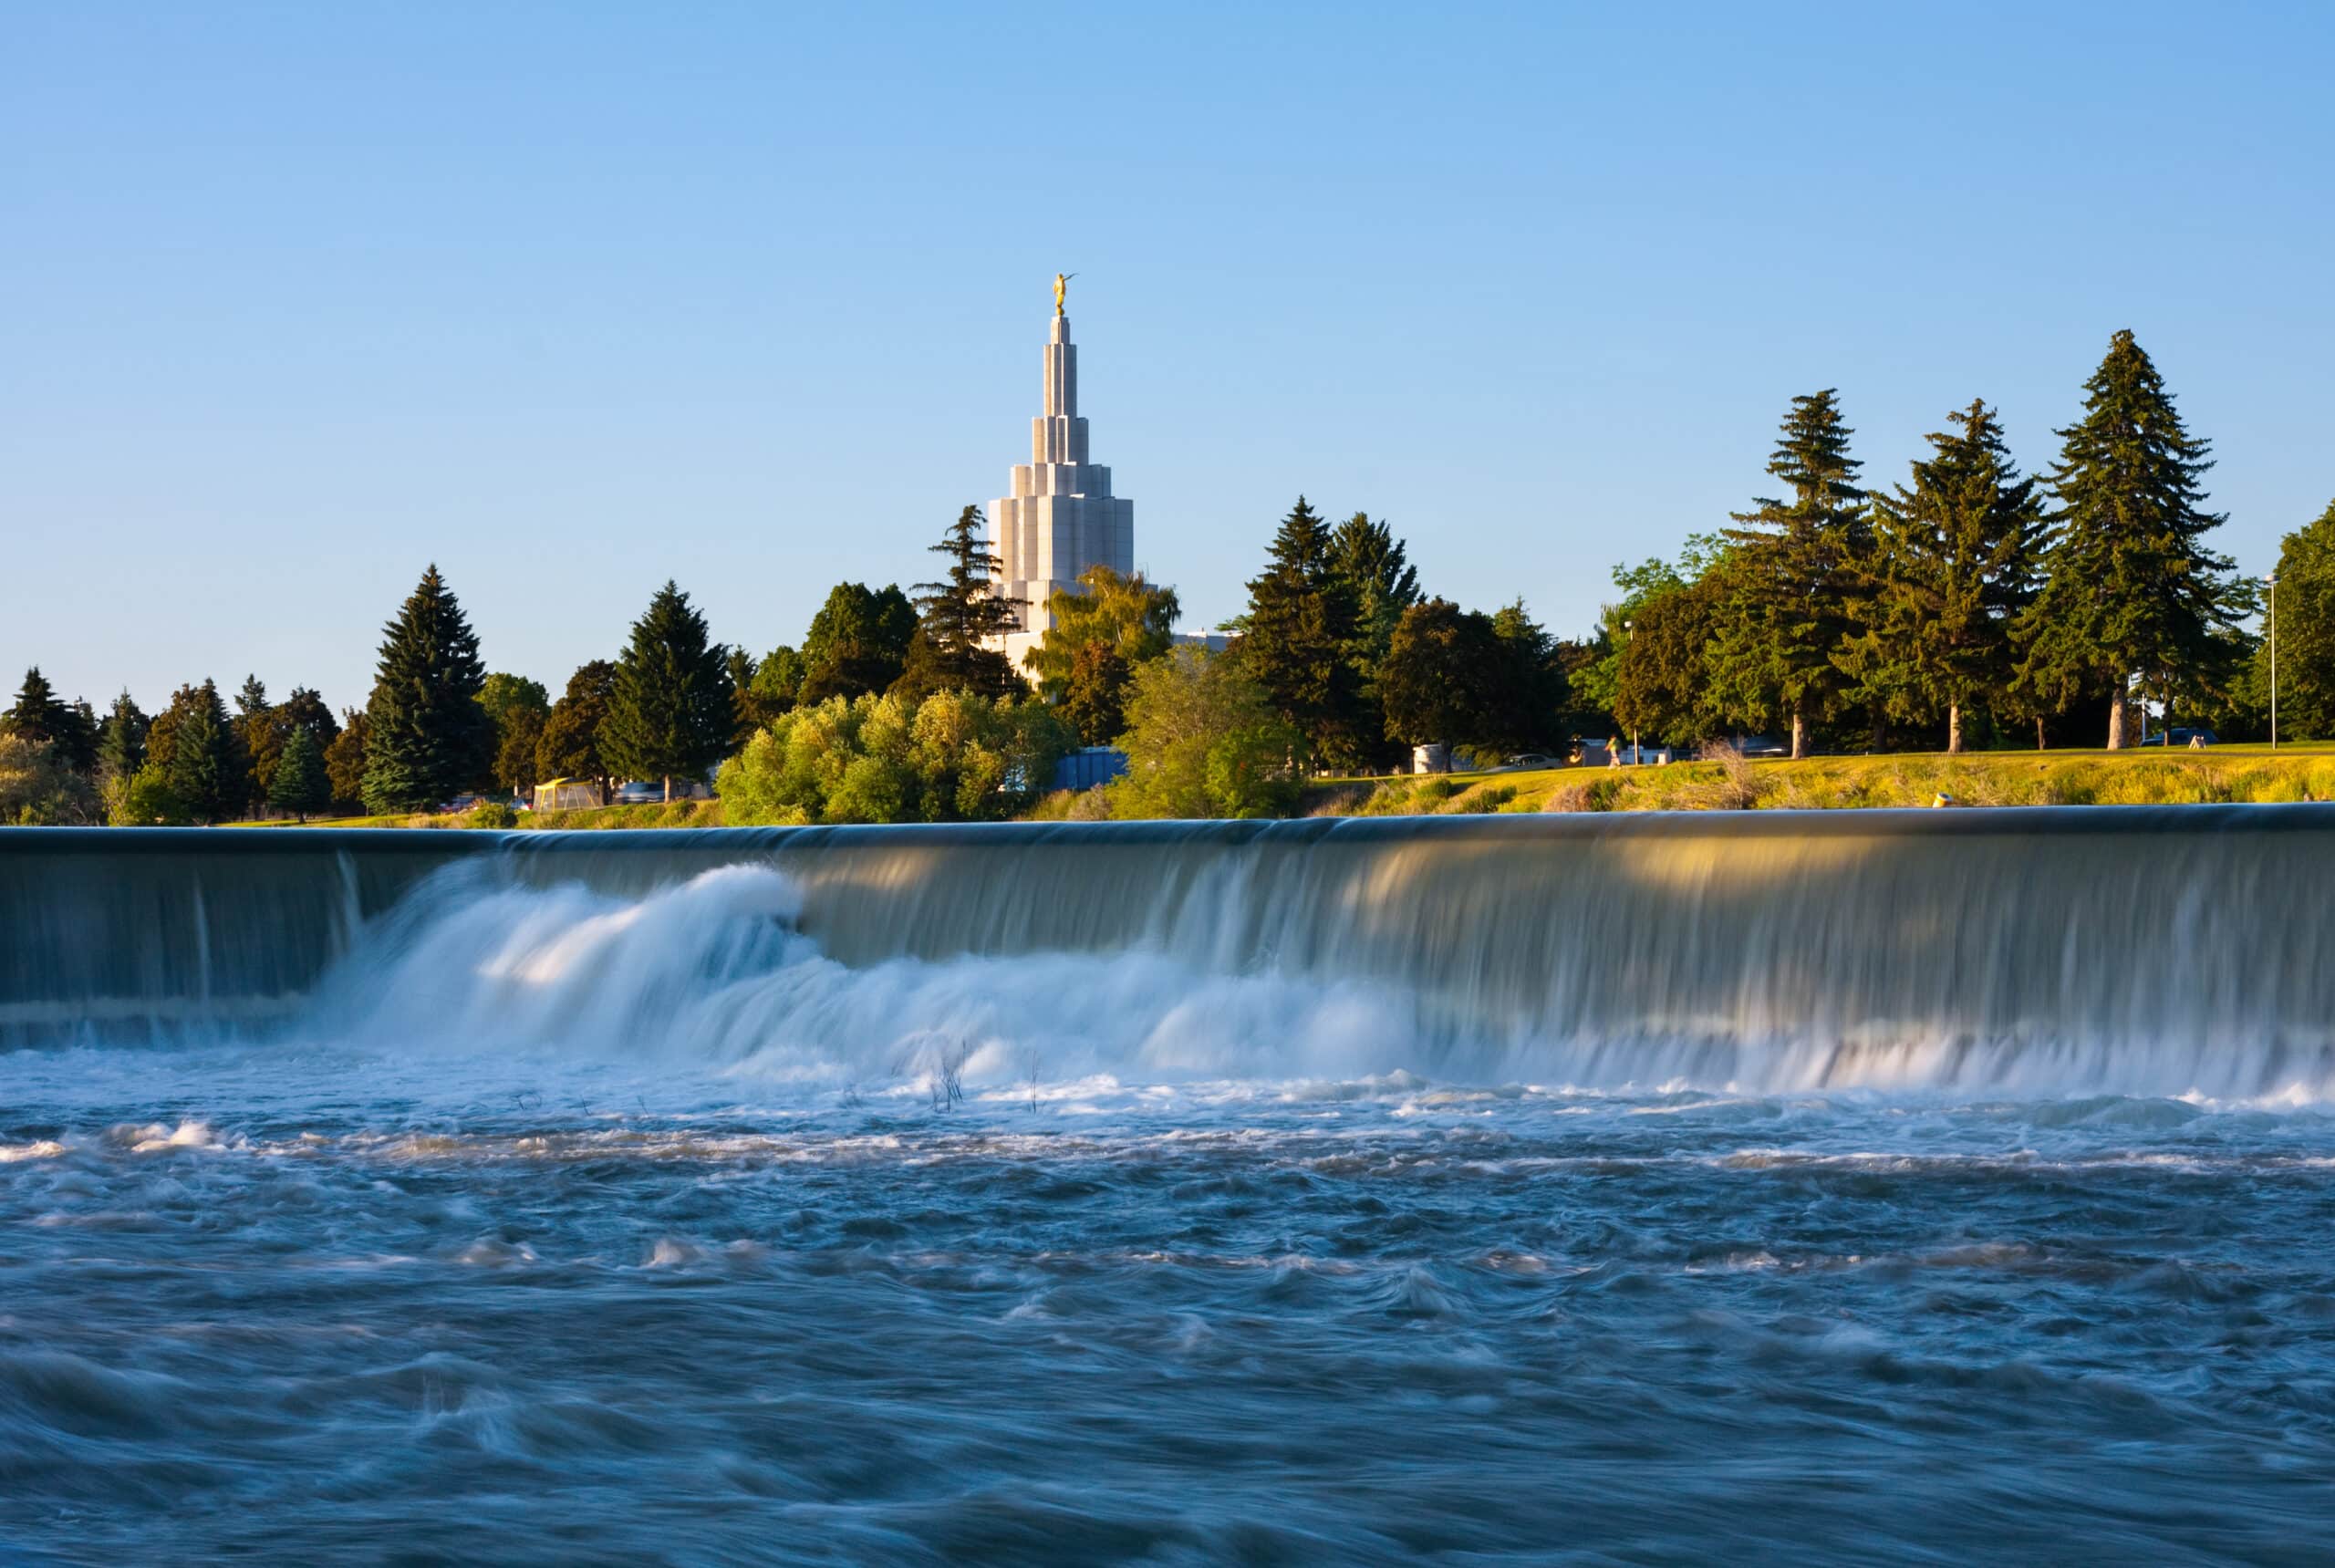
x=1803, y=948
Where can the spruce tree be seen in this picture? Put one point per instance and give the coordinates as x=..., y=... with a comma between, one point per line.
x=670, y=708
x=298, y=784
x=1955, y=564
x=428, y=739
x=122, y=743
x=1796, y=562
x=1297, y=640
x=961, y=615
x=2132, y=588
x=66, y=729
x=202, y=755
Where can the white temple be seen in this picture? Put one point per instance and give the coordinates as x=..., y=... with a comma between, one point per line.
x=1060, y=517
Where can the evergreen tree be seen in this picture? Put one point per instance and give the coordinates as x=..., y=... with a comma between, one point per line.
x=961, y=615
x=2303, y=624
x=121, y=741
x=261, y=732
x=1533, y=688
x=299, y=784
x=1297, y=640
x=1373, y=568
x=67, y=730
x=669, y=708
x=570, y=746
x=1954, y=565
x=1797, y=565
x=344, y=761
x=2131, y=586
x=307, y=709
x=429, y=739
x=201, y=753
x=858, y=644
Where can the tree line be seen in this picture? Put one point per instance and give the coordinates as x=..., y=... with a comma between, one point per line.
x=1971, y=603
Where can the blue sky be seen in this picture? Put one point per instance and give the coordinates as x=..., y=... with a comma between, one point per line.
x=572, y=298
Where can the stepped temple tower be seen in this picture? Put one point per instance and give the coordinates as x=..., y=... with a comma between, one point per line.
x=1060, y=517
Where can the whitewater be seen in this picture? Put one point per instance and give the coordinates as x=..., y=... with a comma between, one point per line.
x=1905, y=1187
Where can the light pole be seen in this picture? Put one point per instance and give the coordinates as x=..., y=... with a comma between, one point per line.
x=2273, y=580
x=1630, y=629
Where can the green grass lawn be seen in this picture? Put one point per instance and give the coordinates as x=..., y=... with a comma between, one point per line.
x=2135, y=777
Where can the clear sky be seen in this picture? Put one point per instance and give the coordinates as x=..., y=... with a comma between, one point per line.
x=572, y=298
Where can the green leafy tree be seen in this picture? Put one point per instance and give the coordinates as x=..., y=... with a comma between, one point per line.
x=344, y=761
x=1955, y=563
x=1203, y=739
x=1532, y=691
x=147, y=800
x=954, y=757
x=770, y=690
x=1094, y=699
x=1126, y=617
x=429, y=739
x=122, y=743
x=2305, y=629
x=1297, y=642
x=1445, y=677
x=570, y=746
x=961, y=615
x=2131, y=586
x=1593, y=672
x=670, y=711
x=517, y=708
x=1798, y=561
x=1663, y=688
x=858, y=644
x=299, y=784
x=37, y=789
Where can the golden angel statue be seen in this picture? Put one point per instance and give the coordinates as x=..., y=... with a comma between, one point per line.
x=1061, y=286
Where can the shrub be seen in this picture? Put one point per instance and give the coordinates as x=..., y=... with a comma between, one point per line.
x=492, y=814
x=953, y=757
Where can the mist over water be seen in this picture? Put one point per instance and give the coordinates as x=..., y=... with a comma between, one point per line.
x=906, y=1199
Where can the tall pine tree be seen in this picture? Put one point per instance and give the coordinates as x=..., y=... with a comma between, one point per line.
x=1955, y=564
x=1297, y=640
x=670, y=708
x=68, y=730
x=200, y=755
x=1794, y=568
x=961, y=615
x=2132, y=588
x=426, y=738
x=122, y=743
x=298, y=783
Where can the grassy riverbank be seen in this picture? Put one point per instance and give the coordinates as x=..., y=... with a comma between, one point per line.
x=2225, y=774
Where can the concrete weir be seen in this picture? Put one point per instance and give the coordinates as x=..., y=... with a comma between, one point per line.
x=2172, y=929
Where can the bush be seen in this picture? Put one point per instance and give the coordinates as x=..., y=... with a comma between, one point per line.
x=492, y=814
x=1202, y=741
x=36, y=789
x=953, y=757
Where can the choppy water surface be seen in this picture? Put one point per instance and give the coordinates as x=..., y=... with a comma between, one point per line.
x=566, y=1229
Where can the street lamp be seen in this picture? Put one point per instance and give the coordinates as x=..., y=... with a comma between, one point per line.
x=2273, y=580
x=1630, y=627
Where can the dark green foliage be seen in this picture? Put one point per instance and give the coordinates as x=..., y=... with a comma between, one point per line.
x=961, y=613
x=429, y=739
x=2305, y=629
x=1373, y=568
x=670, y=709
x=1955, y=563
x=1298, y=639
x=263, y=737
x=121, y=741
x=299, y=784
x=1093, y=698
x=570, y=746
x=1533, y=689
x=858, y=643
x=770, y=688
x=67, y=729
x=1445, y=678
x=195, y=744
x=1662, y=689
x=517, y=707
x=2132, y=588
x=1796, y=565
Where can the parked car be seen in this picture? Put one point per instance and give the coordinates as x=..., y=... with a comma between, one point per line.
x=2178, y=736
x=633, y=791
x=1524, y=761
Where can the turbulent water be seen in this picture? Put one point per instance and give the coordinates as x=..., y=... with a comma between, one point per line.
x=728, y=1212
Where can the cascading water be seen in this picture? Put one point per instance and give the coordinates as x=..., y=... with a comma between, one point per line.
x=1830, y=1186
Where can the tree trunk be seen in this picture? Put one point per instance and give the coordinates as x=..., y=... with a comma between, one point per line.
x=2116, y=723
x=1798, y=734
x=1954, y=729
x=2038, y=734
x=668, y=789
